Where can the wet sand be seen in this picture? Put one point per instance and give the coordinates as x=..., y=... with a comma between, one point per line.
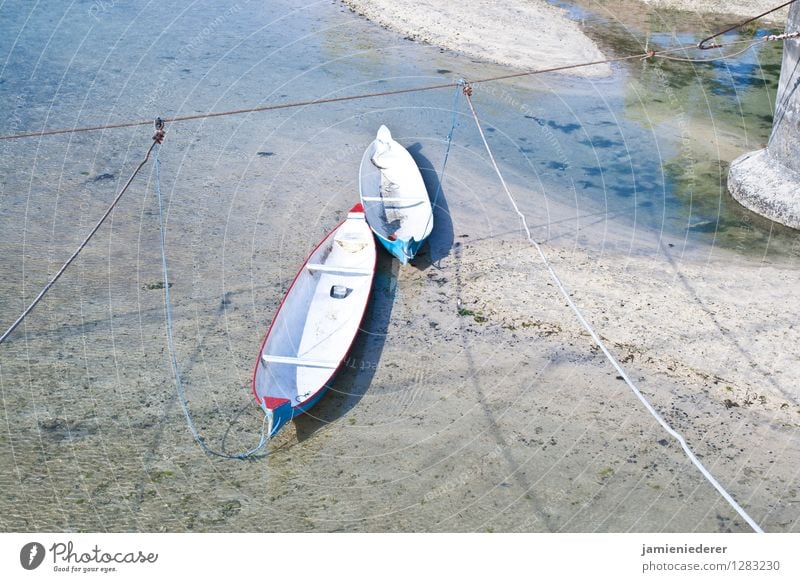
x=521, y=34
x=472, y=401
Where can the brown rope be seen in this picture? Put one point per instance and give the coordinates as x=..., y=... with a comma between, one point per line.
x=225, y=113
x=719, y=58
x=158, y=137
x=645, y=55
x=322, y=101
x=701, y=44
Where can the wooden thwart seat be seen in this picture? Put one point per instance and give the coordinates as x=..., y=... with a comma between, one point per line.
x=410, y=201
x=269, y=359
x=341, y=270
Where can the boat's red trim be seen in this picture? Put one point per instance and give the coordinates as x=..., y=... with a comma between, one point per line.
x=273, y=403
x=267, y=399
x=283, y=300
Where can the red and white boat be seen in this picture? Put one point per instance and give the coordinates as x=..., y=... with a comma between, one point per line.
x=316, y=323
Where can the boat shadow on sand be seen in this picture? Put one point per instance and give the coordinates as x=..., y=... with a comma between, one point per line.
x=363, y=360
x=440, y=241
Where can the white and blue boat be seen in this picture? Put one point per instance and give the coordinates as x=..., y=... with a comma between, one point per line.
x=316, y=323
x=394, y=197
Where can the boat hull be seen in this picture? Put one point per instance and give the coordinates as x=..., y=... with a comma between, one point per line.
x=280, y=416
x=316, y=322
x=396, y=203
x=402, y=250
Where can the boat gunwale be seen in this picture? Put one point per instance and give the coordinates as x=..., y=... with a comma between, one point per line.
x=301, y=270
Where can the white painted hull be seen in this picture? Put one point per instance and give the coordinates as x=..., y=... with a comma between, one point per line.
x=394, y=197
x=317, y=321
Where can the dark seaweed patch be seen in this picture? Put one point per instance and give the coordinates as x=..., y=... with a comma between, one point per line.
x=155, y=285
x=566, y=128
x=600, y=142
x=536, y=119
x=592, y=170
x=622, y=191
x=60, y=429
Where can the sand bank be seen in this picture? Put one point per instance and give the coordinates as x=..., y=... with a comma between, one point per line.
x=521, y=34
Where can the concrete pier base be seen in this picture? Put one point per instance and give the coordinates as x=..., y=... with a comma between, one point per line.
x=768, y=181
x=760, y=183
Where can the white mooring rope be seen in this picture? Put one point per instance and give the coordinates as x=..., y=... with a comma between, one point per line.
x=265, y=425
x=588, y=327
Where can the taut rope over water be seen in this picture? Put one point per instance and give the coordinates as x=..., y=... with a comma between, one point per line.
x=702, y=44
x=645, y=55
x=157, y=138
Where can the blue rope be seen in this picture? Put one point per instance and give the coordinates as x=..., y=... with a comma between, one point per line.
x=453, y=124
x=171, y=342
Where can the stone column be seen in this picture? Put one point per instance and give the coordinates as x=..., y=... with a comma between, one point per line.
x=768, y=181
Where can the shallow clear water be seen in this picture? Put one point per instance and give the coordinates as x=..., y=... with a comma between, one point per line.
x=703, y=115
x=649, y=146
x=622, y=164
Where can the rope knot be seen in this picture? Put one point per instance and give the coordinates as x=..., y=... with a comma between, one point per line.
x=159, y=134
x=467, y=89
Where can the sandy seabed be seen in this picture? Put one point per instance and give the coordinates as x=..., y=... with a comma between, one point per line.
x=473, y=401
